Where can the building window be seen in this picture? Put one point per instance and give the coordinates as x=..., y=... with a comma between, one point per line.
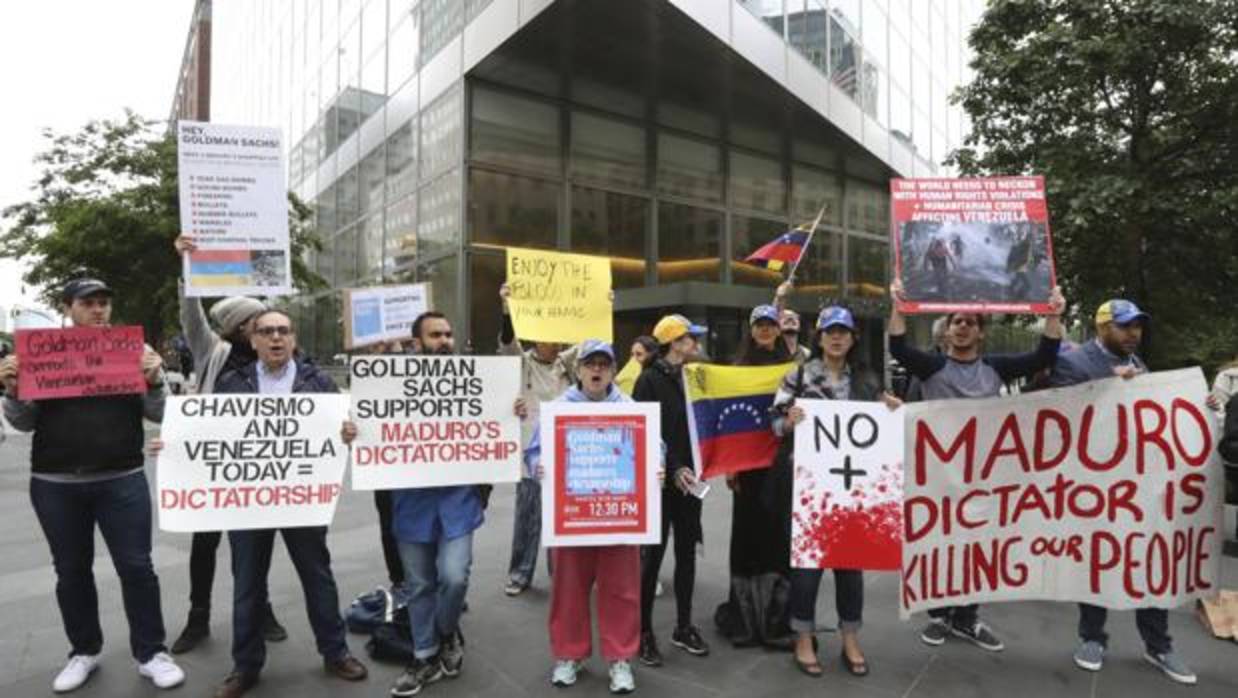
x=402, y=160
x=400, y=236
x=867, y=264
x=444, y=281
x=441, y=21
x=512, y=210
x=348, y=199
x=819, y=275
x=688, y=243
x=440, y=135
x=487, y=271
x=869, y=208
x=373, y=168
x=613, y=225
x=689, y=168
x=608, y=151
x=810, y=190
x=768, y=11
x=757, y=183
x=806, y=29
x=438, y=214
x=748, y=234
x=844, y=60
x=346, y=256
x=515, y=132
x=402, y=48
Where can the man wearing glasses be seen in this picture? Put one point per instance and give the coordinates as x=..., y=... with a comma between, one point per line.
x=962, y=371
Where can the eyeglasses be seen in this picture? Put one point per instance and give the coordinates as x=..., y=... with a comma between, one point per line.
x=281, y=330
x=597, y=364
x=970, y=322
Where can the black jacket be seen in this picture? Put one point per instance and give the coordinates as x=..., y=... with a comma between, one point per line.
x=662, y=383
x=1229, y=437
x=309, y=379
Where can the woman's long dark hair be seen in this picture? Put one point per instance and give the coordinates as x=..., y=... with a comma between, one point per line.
x=750, y=353
x=852, y=359
x=651, y=347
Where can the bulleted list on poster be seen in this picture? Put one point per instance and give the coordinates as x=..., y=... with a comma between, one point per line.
x=234, y=204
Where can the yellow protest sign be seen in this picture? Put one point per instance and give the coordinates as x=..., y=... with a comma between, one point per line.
x=626, y=379
x=558, y=297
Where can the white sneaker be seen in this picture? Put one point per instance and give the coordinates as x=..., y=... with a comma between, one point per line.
x=75, y=673
x=565, y=672
x=162, y=670
x=621, y=680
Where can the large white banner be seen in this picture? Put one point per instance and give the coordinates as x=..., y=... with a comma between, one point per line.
x=233, y=462
x=1107, y=493
x=429, y=421
x=382, y=313
x=848, y=492
x=234, y=203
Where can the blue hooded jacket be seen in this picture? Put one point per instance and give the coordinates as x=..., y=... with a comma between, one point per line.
x=533, y=453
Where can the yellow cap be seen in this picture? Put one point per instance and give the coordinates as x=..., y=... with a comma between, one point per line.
x=673, y=327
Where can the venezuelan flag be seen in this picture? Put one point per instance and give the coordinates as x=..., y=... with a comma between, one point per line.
x=729, y=416
x=785, y=248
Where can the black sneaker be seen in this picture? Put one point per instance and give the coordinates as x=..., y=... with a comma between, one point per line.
x=272, y=631
x=689, y=640
x=419, y=673
x=649, y=654
x=935, y=633
x=451, y=655
x=197, y=629
x=979, y=635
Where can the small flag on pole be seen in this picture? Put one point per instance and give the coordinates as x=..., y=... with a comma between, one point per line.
x=785, y=248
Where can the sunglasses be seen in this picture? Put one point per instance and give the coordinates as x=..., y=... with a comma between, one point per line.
x=281, y=330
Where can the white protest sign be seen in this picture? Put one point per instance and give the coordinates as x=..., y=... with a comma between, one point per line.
x=234, y=462
x=848, y=502
x=1107, y=493
x=234, y=204
x=430, y=421
x=382, y=313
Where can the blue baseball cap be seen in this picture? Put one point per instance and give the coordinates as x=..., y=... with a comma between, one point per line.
x=592, y=347
x=673, y=327
x=1120, y=311
x=835, y=315
x=763, y=312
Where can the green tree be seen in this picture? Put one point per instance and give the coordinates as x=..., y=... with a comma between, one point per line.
x=1130, y=110
x=106, y=205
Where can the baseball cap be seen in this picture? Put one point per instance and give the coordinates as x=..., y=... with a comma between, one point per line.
x=835, y=315
x=591, y=347
x=673, y=327
x=80, y=288
x=1120, y=311
x=763, y=312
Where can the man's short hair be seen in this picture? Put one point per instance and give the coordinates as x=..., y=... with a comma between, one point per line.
x=427, y=315
x=270, y=311
x=980, y=322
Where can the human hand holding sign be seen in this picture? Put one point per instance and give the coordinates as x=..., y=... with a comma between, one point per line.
x=348, y=432
x=152, y=364
x=184, y=244
x=505, y=294
x=8, y=375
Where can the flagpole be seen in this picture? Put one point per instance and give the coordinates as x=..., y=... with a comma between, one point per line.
x=804, y=249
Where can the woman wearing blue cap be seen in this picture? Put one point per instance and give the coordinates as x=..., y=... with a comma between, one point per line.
x=832, y=373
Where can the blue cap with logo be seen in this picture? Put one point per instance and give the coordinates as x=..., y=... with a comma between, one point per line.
x=763, y=312
x=1120, y=311
x=593, y=347
x=835, y=315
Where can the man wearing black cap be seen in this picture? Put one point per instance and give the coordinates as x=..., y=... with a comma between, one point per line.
x=86, y=471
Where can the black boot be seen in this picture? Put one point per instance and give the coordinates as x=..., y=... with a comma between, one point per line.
x=271, y=629
x=197, y=629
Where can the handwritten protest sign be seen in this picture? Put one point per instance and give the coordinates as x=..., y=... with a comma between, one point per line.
x=848, y=492
x=972, y=245
x=429, y=421
x=601, y=461
x=232, y=462
x=234, y=203
x=80, y=362
x=1107, y=493
x=559, y=297
x=382, y=313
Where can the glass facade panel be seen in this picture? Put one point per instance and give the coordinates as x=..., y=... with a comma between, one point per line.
x=486, y=273
x=370, y=244
x=757, y=183
x=876, y=91
x=373, y=175
x=373, y=28
x=807, y=21
x=810, y=190
x=514, y=131
x=820, y=273
x=512, y=210
x=441, y=135
x=613, y=225
x=844, y=59
x=348, y=200
x=444, y=280
x=690, y=168
x=346, y=256
x=608, y=151
x=438, y=213
x=689, y=241
x=868, y=208
x=402, y=48
x=867, y=264
x=400, y=236
x=402, y=160
x=747, y=234
x=441, y=21
x=768, y=11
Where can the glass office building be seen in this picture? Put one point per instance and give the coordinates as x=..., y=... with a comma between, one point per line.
x=672, y=136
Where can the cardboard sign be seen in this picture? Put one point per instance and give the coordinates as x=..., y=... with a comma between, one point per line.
x=234, y=203
x=1106, y=493
x=601, y=461
x=848, y=492
x=382, y=313
x=234, y=462
x=559, y=297
x=80, y=362
x=972, y=245
x=430, y=421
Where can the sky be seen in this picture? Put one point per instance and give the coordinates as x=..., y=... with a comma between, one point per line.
x=66, y=62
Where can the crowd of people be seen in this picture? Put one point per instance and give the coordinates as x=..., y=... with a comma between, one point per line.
x=87, y=471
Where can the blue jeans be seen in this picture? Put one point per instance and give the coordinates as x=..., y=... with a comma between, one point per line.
x=848, y=599
x=251, y=560
x=437, y=575
x=1152, y=623
x=526, y=532
x=68, y=514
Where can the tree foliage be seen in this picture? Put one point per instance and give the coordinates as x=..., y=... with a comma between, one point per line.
x=106, y=205
x=1129, y=108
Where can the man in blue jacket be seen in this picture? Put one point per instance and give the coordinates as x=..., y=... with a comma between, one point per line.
x=278, y=371
x=1119, y=331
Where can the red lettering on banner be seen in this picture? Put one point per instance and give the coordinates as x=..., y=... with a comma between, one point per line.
x=965, y=440
x=1154, y=435
x=1085, y=432
x=1198, y=459
x=1193, y=486
x=1043, y=417
x=1009, y=430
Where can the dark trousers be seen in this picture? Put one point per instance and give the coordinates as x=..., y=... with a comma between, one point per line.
x=682, y=513
x=251, y=559
x=391, y=549
x=1152, y=623
x=848, y=599
x=959, y=616
x=202, y=553
x=68, y=514
x=527, y=533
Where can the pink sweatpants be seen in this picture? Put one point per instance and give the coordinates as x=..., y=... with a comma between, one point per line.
x=616, y=571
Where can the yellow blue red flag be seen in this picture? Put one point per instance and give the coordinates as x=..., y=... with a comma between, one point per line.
x=729, y=416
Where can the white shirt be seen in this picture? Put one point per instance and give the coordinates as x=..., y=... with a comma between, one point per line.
x=278, y=382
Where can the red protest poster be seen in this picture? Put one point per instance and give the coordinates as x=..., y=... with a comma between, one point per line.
x=979, y=245
x=80, y=362
x=602, y=460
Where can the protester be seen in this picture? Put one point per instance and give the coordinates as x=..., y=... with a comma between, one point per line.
x=962, y=371
x=434, y=528
x=756, y=610
x=1228, y=447
x=614, y=569
x=1119, y=329
x=644, y=350
x=277, y=372
x=546, y=371
x=833, y=373
x=662, y=382
x=1224, y=387
x=86, y=471
x=214, y=354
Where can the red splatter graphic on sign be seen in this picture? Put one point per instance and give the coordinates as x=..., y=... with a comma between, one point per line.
x=865, y=533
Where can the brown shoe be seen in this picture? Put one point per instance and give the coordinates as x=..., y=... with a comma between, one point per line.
x=347, y=667
x=236, y=685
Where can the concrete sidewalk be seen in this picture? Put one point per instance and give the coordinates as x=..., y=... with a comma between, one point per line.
x=507, y=647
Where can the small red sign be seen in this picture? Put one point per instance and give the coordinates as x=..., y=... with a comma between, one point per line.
x=80, y=362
